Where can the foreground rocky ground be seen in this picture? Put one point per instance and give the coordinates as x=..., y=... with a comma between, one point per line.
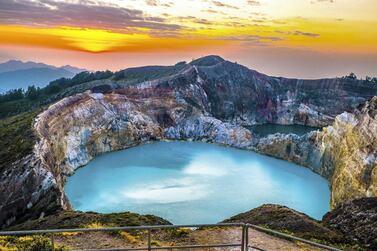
x=356, y=220
x=122, y=239
x=351, y=227
x=258, y=240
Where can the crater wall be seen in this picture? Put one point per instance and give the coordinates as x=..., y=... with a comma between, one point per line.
x=206, y=102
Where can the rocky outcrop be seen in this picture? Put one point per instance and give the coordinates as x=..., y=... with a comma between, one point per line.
x=28, y=190
x=357, y=220
x=350, y=147
x=354, y=222
x=285, y=219
x=303, y=150
x=209, y=99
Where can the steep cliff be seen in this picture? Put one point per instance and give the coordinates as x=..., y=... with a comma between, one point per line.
x=209, y=99
x=303, y=150
x=350, y=146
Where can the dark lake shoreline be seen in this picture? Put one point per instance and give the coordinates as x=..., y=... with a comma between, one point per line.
x=264, y=130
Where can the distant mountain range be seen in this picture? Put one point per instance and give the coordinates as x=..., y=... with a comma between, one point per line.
x=17, y=74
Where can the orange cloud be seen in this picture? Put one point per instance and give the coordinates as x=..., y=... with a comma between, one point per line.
x=96, y=40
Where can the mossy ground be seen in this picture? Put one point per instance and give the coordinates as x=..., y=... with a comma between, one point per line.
x=17, y=137
x=75, y=219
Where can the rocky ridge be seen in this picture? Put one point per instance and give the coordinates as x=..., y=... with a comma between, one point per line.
x=285, y=219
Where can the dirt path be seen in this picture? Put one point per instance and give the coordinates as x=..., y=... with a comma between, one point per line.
x=257, y=240
x=262, y=241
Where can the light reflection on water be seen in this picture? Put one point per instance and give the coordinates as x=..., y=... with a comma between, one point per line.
x=191, y=182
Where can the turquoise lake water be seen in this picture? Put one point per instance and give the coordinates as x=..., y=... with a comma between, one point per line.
x=192, y=182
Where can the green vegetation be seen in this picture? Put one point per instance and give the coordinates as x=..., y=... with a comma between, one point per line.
x=28, y=243
x=17, y=137
x=352, y=76
x=146, y=73
x=133, y=239
x=18, y=109
x=17, y=101
x=371, y=80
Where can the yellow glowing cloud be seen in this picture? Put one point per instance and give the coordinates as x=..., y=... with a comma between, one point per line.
x=94, y=40
x=91, y=40
x=332, y=35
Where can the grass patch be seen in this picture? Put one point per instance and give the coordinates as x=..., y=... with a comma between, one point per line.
x=156, y=243
x=69, y=234
x=28, y=243
x=17, y=138
x=179, y=232
x=95, y=225
x=129, y=237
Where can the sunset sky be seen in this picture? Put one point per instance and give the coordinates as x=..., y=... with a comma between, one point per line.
x=293, y=38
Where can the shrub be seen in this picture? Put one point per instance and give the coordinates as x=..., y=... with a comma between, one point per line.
x=155, y=243
x=95, y=225
x=180, y=232
x=28, y=243
x=69, y=234
x=129, y=237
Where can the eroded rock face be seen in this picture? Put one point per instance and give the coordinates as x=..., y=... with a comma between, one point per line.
x=350, y=146
x=209, y=100
x=243, y=96
x=303, y=150
x=28, y=190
